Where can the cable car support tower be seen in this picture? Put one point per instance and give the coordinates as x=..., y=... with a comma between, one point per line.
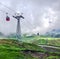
x=18, y=30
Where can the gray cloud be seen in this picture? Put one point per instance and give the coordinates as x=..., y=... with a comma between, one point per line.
x=37, y=14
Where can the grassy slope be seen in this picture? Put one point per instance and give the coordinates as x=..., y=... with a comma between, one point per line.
x=12, y=49
x=53, y=42
x=42, y=40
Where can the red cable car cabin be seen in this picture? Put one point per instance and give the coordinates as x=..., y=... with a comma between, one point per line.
x=7, y=18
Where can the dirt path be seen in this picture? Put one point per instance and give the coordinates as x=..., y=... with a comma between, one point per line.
x=50, y=48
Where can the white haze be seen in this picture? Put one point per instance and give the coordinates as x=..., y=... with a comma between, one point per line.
x=38, y=15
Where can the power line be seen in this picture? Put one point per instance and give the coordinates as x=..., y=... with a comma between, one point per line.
x=5, y=12
x=11, y=10
x=12, y=15
x=22, y=22
x=8, y=7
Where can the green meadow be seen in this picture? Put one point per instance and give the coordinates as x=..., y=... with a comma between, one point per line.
x=42, y=40
x=27, y=48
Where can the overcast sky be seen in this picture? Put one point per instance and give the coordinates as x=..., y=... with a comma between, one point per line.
x=40, y=15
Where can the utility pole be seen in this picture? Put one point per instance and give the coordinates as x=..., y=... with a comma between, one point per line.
x=18, y=31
